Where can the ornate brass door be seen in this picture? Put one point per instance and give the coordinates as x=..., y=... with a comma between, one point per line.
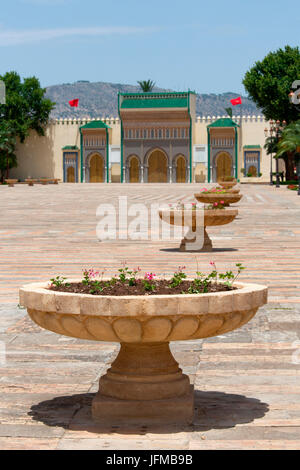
x=96, y=169
x=223, y=165
x=71, y=174
x=252, y=170
x=180, y=170
x=157, y=171
x=134, y=170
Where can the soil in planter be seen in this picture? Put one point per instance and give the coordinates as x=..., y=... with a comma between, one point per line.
x=162, y=287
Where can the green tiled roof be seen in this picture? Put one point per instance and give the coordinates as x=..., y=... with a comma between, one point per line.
x=224, y=122
x=154, y=100
x=252, y=147
x=95, y=125
x=70, y=147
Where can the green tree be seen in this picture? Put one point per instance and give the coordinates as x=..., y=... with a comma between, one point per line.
x=26, y=109
x=269, y=83
x=8, y=157
x=146, y=85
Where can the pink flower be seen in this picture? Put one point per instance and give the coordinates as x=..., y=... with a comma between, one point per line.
x=93, y=273
x=215, y=203
x=222, y=202
x=150, y=276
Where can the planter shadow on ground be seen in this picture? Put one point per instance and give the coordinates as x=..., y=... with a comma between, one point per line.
x=214, y=250
x=213, y=410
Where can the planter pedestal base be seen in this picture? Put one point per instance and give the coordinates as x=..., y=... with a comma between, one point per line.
x=111, y=411
x=186, y=241
x=144, y=386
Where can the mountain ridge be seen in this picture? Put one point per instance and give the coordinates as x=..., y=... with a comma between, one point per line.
x=101, y=99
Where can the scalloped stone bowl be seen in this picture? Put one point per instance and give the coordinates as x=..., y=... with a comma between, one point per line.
x=210, y=198
x=144, y=384
x=234, y=191
x=188, y=218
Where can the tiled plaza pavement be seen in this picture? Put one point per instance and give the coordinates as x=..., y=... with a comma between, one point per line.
x=247, y=382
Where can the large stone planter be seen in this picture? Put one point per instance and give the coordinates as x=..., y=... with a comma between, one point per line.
x=197, y=225
x=144, y=384
x=210, y=198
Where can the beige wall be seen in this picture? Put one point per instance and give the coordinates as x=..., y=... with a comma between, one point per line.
x=42, y=156
x=252, y=134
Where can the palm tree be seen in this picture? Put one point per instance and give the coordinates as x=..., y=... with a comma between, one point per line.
x=146, y=85
x=290, y=141
x=289, y=144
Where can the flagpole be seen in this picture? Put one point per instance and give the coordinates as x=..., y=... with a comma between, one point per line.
x=241, y=124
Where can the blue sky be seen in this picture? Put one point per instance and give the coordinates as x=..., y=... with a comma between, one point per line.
x=203, y=46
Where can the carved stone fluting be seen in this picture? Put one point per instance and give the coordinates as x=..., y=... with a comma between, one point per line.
x=141, y=329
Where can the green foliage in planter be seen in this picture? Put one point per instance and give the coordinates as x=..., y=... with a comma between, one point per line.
x=286, y=183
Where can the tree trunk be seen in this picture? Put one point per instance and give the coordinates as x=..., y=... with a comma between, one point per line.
x=289, y=167
x=7, y=167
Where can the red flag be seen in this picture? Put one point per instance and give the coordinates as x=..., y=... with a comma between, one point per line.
x=74, y=103
x=236, y=101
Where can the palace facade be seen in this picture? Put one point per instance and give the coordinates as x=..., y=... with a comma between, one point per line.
x=156, y=138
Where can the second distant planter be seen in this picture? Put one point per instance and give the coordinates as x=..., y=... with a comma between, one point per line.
x=227, y=184
x=211, y=198
x=197, y=238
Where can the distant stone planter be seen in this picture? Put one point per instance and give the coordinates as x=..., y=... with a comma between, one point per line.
x=232, y=191
x=44, y=181
x=31, y=181
x=210, y=198
x=144, y=384
x=11, y=182
x=228, y=184
x=189, y=218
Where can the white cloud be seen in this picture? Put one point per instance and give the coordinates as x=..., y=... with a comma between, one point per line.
x=13, y=37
